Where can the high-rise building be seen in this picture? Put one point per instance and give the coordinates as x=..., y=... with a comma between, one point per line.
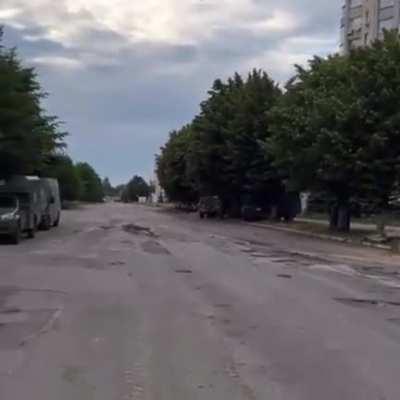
x=364, y=21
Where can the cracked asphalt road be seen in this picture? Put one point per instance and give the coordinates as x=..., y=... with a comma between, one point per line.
x=128, y=302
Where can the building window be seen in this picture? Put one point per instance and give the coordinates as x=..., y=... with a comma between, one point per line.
x=356, y=24
x=386, y=3
x=386, y=13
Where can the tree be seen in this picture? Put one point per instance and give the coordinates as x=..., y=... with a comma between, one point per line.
x=172, y=167
x=92, y=189
x=227, y=153
x=137, y=187
x=27, y=135
x=337, y=127
x=61, y=167
x=119, y=190
x=108, y=189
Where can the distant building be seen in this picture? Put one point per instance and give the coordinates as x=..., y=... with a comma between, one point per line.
x=363, y=21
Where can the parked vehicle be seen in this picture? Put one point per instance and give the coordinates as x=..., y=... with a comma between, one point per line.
x=210, y=207
x=52, y=213
x=36, y=205
x=252, y=212
x=13, y=220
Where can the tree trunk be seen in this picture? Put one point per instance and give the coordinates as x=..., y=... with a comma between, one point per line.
x=274, y=213
x=333, y=218
x=344, y=218
x=340, y=218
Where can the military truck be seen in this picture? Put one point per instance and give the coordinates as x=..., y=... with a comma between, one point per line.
x=13, y=220
x=35, y=203
x=29, y=205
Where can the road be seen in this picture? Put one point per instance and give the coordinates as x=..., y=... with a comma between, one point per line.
x=128, y=302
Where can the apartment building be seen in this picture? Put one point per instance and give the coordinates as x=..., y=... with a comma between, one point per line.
x=364, y=21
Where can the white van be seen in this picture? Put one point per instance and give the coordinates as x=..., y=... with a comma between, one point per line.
x=52, y=213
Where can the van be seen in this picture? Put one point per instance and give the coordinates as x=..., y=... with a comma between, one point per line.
x=52, y=211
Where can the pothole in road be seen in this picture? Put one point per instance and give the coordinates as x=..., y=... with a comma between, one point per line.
x=184, y=271
x=285, y=276
x=106, y=227
x=8, y=317
x=117, y=263
x=153, y=247
x=367, y=302
x=138, y=230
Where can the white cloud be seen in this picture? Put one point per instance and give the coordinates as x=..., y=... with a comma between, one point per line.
x=9, y=13
x=281, y=21
x=58, y=62
x=113, y=65
x=171, y=21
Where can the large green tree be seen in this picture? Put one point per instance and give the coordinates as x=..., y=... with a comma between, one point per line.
x=136, y=187
x=108, y=188
x=172, y=167
x=92, y=188
x=337, y=128
x=227, y=154
x=28, y=136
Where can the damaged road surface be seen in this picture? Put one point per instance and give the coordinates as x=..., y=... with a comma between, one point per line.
x=127, y=302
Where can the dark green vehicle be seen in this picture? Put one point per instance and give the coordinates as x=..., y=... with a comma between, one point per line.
x=210, y=207
x=24, y=205
x=14, y=219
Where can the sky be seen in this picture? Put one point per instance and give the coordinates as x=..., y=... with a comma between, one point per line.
x=122, y=74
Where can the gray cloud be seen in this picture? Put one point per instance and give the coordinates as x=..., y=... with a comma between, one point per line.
x=120, y=88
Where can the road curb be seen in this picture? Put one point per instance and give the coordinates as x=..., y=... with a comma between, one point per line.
x=320, y=236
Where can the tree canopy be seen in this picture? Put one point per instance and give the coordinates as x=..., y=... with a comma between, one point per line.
x=136, y=187
x=172, y=167
x=222, y=151
x=28, y=136
x=337, y=128
x=108, y=188
x=92, y=188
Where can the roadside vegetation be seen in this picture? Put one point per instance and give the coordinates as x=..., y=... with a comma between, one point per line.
x=136, y=188
x=33, y=142
x=334, y=129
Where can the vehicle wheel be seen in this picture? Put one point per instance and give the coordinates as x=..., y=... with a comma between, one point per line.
x=16, y=236
x=45, y=224
x=57, y=221
x=32, y=232
x=201, y=215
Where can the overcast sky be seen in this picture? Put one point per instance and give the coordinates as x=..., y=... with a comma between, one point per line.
x=122, y=73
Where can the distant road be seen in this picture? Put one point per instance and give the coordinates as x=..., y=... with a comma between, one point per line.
x=129, y=302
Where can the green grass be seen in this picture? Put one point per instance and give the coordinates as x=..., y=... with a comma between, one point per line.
x=393, y=220
x=355, y=234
